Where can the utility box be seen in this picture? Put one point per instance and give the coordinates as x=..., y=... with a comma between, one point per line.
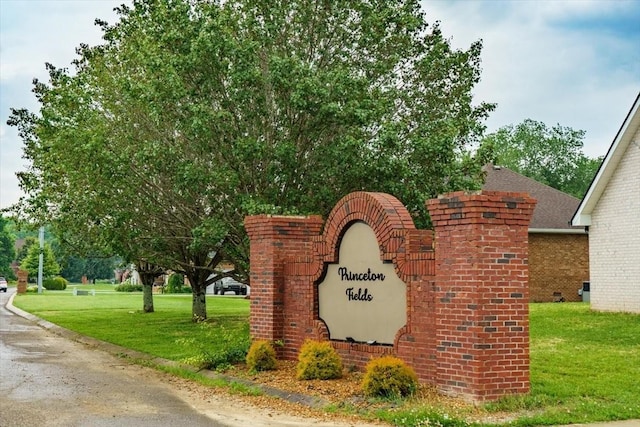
x=585, y=291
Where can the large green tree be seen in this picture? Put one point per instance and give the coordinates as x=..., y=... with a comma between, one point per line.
x=192, y=115
x=24, y=249
x=7, y=249
x=550, y=155
x=31, y=262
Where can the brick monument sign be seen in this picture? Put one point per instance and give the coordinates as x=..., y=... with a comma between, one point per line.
x=451, y=302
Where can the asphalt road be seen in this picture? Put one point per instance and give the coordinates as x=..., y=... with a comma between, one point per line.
x=49, y=380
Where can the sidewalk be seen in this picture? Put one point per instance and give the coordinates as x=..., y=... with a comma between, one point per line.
x=291, y=397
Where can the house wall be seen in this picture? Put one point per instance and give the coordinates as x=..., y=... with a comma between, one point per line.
x=614, y=238
x=557, y=263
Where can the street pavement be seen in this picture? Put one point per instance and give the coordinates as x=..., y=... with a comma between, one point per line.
x=47, y=380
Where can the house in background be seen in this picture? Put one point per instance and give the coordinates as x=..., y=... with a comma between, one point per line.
x=610, y=211
x=558, y=252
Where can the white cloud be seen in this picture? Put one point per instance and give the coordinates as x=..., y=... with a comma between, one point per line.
x=47, y=31
x=542, y=60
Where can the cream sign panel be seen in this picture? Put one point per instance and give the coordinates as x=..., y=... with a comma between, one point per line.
x=361, y=297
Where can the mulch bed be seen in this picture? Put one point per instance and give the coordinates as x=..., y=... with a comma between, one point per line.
x=309, y=397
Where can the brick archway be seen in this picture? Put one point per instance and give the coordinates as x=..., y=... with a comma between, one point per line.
x=385, y=214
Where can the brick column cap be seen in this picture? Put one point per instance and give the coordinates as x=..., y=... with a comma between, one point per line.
x=481, y=207
x=282, y=225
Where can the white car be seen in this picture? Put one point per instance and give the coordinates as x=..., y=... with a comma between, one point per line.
x=3, y=284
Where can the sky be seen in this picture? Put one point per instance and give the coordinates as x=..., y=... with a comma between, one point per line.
x=570, y=62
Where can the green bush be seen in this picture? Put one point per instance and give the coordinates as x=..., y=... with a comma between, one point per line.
x=175, y=285
x=389, y=376
x=318, y=360
x=127, y=286
x=55, y=283
x=33, y=289
x=261, y=356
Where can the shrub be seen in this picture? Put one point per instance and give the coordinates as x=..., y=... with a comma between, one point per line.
x=318, y=360
x=55, y=283
x=175, y=285
x=389, y=376
x=33, y=289
x=261, y=356
x=127, y=286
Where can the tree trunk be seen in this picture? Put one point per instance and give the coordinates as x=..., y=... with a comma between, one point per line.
x=147, y=297
x=198, y=281
x=148, y=274
x=199, y=304
x=147, y=291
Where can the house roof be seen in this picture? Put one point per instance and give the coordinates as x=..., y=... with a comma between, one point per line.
x=554, y=208
x=620, y=144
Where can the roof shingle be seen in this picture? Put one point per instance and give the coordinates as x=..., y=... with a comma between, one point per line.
x=554, y=209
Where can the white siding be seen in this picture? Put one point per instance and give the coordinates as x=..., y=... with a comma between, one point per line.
x=614, y=238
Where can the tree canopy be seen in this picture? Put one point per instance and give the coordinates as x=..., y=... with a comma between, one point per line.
x=73, y=268
x=192, y=115
x=24, y=250
x=550, y=155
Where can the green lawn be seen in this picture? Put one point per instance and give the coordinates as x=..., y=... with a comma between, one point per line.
x=585, y=366
x=117, y=317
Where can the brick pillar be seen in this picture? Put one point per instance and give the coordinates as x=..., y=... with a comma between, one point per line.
x=274, y=239
x=23, y=275
x=482, y=313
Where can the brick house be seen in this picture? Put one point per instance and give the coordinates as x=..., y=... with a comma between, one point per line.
x=610, y=211
x=558, y=252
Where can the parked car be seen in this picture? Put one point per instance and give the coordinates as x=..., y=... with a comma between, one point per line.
x=3, y=284
x=226, y=284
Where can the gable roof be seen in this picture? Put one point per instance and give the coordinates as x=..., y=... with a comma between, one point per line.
x=554, y=208
x=619, y=146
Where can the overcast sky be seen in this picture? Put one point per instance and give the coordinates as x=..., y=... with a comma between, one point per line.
x=574, y=63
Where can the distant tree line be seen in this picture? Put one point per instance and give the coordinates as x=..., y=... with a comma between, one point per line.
x=57, y=260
